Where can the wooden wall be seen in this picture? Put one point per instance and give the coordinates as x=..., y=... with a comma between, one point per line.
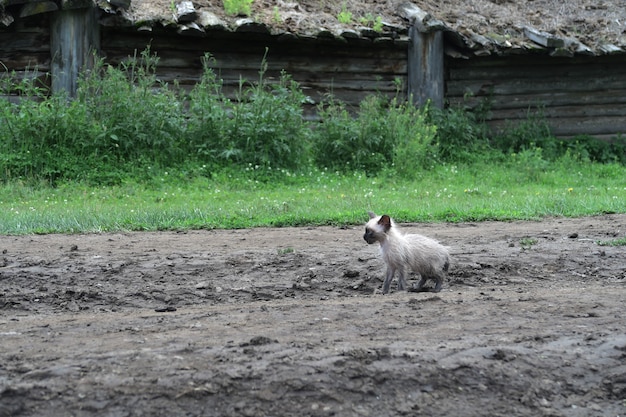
x=581, y=95
x=350, y=70
x=25, y=49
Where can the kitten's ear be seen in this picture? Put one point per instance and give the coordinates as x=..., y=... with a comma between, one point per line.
x=371, y=214
x=385, y=222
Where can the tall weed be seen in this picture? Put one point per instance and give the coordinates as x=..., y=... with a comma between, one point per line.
x=382, y=134
x=44, y=137
x=267, y=127
x=208, y=116
x=590, y=149
x=263, y=126
x=414, y=150
x=533, y=132
x=462, y=135
x=141, y=120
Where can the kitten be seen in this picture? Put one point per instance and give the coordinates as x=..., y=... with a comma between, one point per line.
x=400, y=251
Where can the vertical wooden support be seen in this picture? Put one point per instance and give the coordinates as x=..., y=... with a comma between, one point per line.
x=426, y=67
x=74, y=37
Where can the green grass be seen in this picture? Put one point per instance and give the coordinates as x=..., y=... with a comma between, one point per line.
x=132, y=153
x=614, y=242
x=445, y=193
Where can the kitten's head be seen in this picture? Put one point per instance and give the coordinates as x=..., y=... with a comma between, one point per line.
x=377, y=227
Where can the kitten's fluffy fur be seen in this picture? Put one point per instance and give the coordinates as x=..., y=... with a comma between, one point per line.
x=423, y=255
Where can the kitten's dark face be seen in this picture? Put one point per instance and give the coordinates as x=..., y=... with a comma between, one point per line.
x=376, y=228
x=370, y=236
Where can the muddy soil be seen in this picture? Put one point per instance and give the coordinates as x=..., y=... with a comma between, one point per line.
x=291, y=322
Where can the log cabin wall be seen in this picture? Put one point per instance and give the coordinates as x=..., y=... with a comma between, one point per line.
x=349, y=70
x=581, y=95
x=25, y=50
x=578, y=89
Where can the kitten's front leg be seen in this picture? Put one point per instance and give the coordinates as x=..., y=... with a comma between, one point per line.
x=401, y=279
x=388, y=277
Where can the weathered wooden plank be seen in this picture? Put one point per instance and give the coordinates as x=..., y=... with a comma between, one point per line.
x=425, y=68
x=540, y=61
x=219, y=41
x=570, y=71
x=74, y=39
x=6, y=20
x=543, y=38
x=233, y=53
x=185, y=12
x=233, y=80
x=531, y=100
x=524, y=86
x=122, y=4
x=190, y=29
x=225, y=61
x=577, y=126
x=76, y=4
x=233, y=61
x=316, y=94
x=422, y=20
x=550, y=112
x=610, y=49
x=32, y=74
x=577, y=46
x=28, y=60
x=24, y=42
x=210, y=21
x=190, y=75
x=33, y=8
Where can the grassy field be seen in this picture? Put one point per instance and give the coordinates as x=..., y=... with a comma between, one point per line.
x=445, y=193
x=129, y=153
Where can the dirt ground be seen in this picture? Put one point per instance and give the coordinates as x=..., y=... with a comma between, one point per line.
x=291, y=322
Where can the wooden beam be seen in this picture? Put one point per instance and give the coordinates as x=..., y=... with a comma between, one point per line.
x=543, y=38
x=6, y=20
x=30, y=9
x=610, y=49
x=185, y=12
x=426, y=67
x=424, y=21
x=74, y=37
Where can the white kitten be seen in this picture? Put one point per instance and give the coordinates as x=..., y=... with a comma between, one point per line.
x=423, y=255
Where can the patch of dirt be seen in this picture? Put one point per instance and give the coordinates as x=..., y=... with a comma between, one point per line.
x=291, y=322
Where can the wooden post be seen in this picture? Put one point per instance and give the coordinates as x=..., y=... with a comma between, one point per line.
x=74, y=37
x=426, y=67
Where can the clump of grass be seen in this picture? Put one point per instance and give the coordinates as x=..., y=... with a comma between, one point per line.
x=613, y=242
x=238, y=7
x=376, y=23
x=527, y=242
x=344, y=16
